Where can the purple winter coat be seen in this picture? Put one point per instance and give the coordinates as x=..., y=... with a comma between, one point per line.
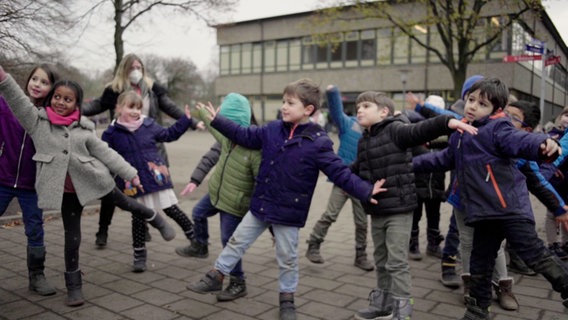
x=17, y=169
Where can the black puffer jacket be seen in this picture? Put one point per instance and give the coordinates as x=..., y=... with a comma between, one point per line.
x=432, y=185
x=384, y=152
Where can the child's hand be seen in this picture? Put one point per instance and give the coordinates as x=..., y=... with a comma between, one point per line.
x=189, y=188
x=209, y=107
x=136, y=182
x=562, y=220
x=200, y=126
x=461, y=126
x=378, y=188
x=412, y=100
x=550, y=148
x=187, y=111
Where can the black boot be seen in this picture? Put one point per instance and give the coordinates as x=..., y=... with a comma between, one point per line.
x=413, y=247
x=313, y=253
x=449, y=276
x=101, y=240
x=139, y=264
x=287, y=307
x=73, y=282
x=473, y=311
x=517, y=265
x=361, y=261
x=166, y=230
x=434, y=239
x=38, y=283
x=195, y=249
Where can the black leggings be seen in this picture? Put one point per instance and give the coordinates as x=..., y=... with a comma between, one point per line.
x=174, y=212
x=71, y=210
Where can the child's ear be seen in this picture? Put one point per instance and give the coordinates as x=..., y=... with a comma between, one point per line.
x=498, y=110
x=309, y=109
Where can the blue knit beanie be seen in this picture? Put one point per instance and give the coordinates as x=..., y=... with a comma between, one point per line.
x=236, y=107
x=468, y=83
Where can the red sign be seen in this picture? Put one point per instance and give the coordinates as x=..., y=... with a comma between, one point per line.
x=552, y=60
x=522, y=57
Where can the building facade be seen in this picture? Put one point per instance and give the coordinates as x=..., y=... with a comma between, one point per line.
x=259, y=57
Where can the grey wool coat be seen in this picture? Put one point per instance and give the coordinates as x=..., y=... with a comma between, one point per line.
x=73, y=149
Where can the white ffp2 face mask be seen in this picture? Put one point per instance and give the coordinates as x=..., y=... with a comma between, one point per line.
x=135, y=76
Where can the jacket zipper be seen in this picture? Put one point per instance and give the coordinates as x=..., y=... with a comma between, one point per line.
x=19, y=161
x=495, y=185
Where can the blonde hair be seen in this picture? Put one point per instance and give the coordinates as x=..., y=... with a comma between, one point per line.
x=120, y=82
x=125, y=98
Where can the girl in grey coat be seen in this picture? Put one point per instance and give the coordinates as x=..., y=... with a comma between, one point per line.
x=73, y=166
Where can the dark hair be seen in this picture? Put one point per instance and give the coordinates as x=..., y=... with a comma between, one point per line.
x=52, y=75
x=379, y=98
x=69, y=84
x=307, y=91
x=495, y=90
x=531, y=112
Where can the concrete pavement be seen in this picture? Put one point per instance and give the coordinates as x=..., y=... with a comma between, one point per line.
x=334, y=290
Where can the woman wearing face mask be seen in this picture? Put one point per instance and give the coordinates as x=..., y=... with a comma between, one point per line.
x=131, y=75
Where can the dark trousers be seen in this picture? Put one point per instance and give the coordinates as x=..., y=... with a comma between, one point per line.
x=71, y=210
x=432, y=208
x=523, y=239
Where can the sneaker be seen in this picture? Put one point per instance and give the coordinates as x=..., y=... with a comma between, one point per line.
x=557, y=250
x=195, y=249
x=211, y=282
x=237, y=288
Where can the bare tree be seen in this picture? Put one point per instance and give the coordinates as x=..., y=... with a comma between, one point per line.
x=460, y=28
x=28, y=27
x=127, y=12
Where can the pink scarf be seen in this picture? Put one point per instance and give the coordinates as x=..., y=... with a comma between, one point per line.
x=56, y=119
x=132, y=126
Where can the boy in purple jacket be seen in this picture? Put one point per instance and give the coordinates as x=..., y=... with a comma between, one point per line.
x=294, y=150
x=494, y=192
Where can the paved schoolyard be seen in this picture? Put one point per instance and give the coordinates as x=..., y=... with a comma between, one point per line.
x=334, y=290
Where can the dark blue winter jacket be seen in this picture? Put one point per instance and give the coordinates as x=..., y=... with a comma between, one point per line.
x=291, y=161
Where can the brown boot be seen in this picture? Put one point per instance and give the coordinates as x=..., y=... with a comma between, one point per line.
x=504, y=292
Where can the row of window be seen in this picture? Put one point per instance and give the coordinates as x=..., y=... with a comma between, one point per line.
x=371, y=47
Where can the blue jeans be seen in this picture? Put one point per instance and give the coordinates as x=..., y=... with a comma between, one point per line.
x=229, y=223
x=247, y=232
x=202, y=210
x=523, y=239
x=391, y=234
x=31, y=213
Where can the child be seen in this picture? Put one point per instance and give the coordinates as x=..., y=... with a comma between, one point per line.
x=73, y=166
x=349, y=133
x=496, y=215
x=134, y=136
x=384, y=152
x=232, y=183
x=294, y=150
x=203, y=209
x=17, y=176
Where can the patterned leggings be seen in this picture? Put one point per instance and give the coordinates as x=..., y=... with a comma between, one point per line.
x=174, y=212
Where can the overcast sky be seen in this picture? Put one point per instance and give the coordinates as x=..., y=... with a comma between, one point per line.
x=175, y=37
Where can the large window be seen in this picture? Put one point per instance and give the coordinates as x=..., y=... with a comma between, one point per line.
x=246, y=58
x=224, y=63
x=400, y=49
x=384, y=46
x=270, y=56
x=235, y=59
x=295, y=54
x=418, y=52
x=282, y=55
x=308, y=53
x=257, y=57
x=368, y=47
x=352, y=49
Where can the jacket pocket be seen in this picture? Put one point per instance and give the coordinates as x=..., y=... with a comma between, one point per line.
x=85, y=159
x=42, y=157
x=491, y=178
